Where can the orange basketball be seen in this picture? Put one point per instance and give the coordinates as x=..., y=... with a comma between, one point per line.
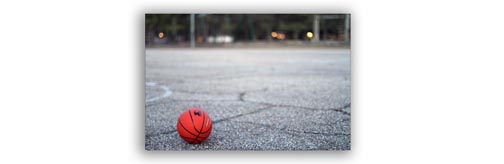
x=194, y=126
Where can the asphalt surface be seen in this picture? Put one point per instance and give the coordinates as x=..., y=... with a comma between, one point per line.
x=258, y=99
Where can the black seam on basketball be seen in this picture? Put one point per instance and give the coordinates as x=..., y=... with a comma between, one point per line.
x=190, y=115
x=185, y=128
x=202, y=123
x=204, y=133
x=206, y=130
x=200, y=131
x=186, y=137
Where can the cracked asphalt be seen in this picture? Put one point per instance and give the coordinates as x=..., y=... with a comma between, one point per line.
x=258, y=99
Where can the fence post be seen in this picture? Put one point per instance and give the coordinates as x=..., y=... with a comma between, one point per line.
x=316, y=29
x=193, y=41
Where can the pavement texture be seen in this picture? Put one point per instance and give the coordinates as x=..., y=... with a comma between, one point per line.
x=258, y=99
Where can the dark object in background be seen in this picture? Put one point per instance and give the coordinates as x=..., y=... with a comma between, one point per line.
x=211, y=29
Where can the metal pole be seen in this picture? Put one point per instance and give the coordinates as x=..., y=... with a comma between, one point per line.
x=193, y=41
x=347, y=28
x=316, y=29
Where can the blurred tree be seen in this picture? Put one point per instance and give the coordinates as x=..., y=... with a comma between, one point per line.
x=333, y=27
x=265, y=23
x=227, y=27
x=295, y=23
x=174, y=25
x=239, y=32
x=250, y=26
x=170, y=24
x=243, y=27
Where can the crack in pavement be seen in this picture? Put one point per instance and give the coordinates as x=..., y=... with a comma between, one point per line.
x=157, y=134
x=325, y=134
x=240, y=95
x=222, y=100
x=241, y=115
x=339, y=109
x=219, y=93
x=204, y=93
x=277, y=74
x=216, y=121
x=241, y=98
x=284, y=129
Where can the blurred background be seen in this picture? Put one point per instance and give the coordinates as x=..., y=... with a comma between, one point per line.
x=247, y=30
x=273, y=82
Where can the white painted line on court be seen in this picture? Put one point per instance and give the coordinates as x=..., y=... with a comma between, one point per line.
x=150, y=84
x=166, y=91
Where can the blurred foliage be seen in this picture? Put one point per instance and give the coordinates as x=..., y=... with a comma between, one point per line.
x=244, y=27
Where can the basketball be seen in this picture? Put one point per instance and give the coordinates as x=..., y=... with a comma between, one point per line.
x=194, y=126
